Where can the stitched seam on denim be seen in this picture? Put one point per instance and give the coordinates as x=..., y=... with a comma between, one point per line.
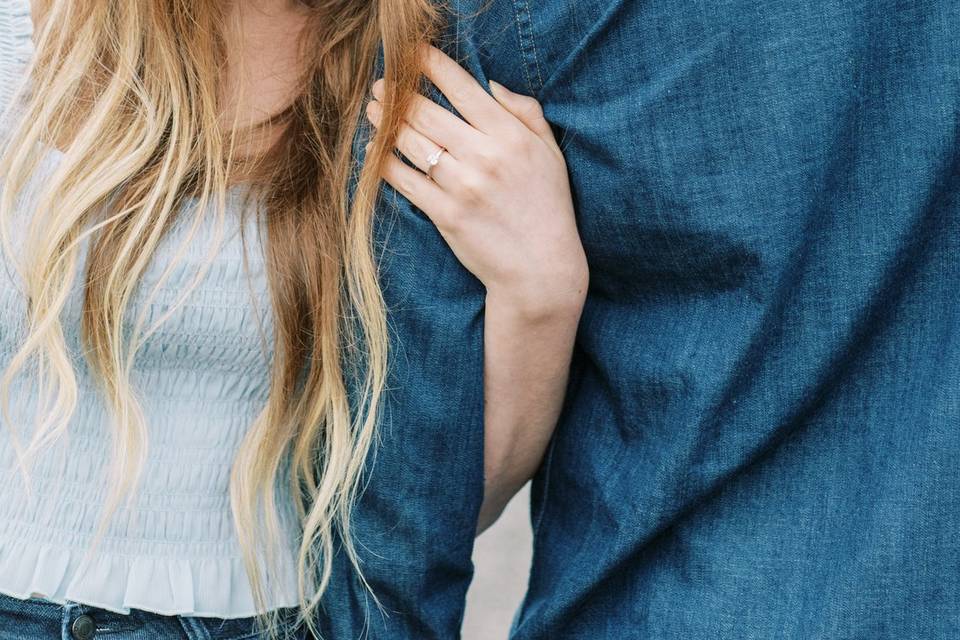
x=193, y=628
x=528, y=46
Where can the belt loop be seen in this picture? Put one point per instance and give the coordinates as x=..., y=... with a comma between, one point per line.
x=72, y=611
x=67, y=611
x=193, y=628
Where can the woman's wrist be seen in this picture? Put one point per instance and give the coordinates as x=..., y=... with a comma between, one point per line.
x=536, y=300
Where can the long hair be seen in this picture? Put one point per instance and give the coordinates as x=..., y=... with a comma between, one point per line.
x=129, y=91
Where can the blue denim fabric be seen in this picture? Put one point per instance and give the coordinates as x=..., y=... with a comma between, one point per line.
x=38, y=619
x=761, y=433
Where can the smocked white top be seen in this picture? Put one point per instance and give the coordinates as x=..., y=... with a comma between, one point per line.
x=201, y=379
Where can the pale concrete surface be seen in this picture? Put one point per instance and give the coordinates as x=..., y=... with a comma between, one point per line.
x=501, y=556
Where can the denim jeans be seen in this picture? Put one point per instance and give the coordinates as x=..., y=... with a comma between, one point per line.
x=38, y=619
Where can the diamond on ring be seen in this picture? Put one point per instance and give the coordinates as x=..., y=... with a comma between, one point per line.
x=434, y=158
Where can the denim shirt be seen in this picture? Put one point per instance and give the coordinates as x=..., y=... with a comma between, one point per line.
x=761, y=431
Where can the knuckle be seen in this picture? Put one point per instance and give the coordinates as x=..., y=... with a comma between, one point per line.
x=489, y=161
x=472, y=187
x=403, y=184
x=417, y=115
x=412, y=146
x=450, y=221
x=403, y=138
x=459, y=94
x=533, y=107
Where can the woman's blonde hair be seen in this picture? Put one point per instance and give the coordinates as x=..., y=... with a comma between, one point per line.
x=129, y=91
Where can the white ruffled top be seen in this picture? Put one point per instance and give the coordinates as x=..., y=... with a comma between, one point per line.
x=202, y=378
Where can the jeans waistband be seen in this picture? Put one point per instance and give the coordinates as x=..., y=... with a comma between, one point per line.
x=26, y=619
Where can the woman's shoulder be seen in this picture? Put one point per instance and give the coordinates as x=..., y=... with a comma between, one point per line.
x=16, y=44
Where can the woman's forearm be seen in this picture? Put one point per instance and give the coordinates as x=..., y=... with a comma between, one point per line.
x=527, y=350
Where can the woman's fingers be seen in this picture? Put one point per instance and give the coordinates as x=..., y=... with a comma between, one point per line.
x=462, y=90
x=430, y=119
x=418, y=148
x=526, y=109
x=423, y=192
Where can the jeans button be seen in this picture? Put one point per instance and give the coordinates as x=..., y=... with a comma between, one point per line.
x=83, y=627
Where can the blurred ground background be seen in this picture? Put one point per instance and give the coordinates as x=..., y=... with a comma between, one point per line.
x=501, y=556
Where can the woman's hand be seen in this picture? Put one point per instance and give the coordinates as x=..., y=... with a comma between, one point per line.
x=499, y=194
